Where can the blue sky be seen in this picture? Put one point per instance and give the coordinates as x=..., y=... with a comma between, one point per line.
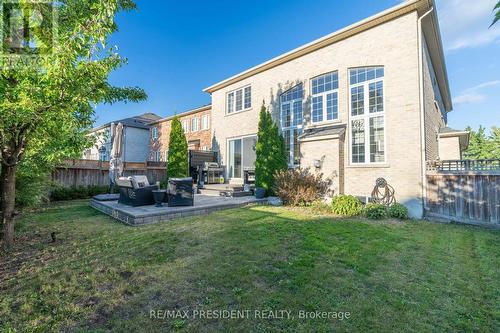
x=177, y=48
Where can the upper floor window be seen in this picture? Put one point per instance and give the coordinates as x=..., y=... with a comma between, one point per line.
x=325, y=100
x=185, y=126
x=154, y=133
x=205, y=122
x=195, y=124
x=156, y=156
x=291, y=121
x=239, y=99
x=367, y=122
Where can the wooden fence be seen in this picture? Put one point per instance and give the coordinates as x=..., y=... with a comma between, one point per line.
x=92, y=172
x=465, y=191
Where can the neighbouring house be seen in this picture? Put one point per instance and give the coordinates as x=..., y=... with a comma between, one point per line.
x=196, y=124
x=367, y=101
x=135, y=139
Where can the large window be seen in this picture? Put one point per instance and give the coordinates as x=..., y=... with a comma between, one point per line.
x=325, y=102
x=291, y=121
x=239, y=100
x=367, y=115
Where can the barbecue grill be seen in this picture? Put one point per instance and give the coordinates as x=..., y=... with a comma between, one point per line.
x=212, y=172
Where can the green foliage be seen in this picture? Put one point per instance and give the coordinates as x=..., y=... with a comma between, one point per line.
x=270, y=152
x=375, y=211
x=398, y=211
x=497, y=14
x=300, y=187
x=482, y=146
x=346, y=205
x=60, y=193
x=47, y=105
x=178, y=164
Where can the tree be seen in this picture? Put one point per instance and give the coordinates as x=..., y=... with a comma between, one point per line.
x=482, y=146
x=46, y=105
x=177, y=165
x=270, y=152
x=497, y=14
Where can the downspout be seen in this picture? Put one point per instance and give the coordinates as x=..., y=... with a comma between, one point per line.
x=422, y=108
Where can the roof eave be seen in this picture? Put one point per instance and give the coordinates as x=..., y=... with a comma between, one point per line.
x=353, y=29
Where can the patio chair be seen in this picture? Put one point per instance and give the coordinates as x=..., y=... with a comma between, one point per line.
x=135, y=191
x=180, y=192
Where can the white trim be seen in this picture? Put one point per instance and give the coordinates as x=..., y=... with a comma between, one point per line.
x=366, y=117
x=323, y=41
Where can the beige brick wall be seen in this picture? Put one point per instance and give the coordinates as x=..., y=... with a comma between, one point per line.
x=330, y=162
x=204, y=137
x=434, y=109
x=392, y=45
x=449, y=148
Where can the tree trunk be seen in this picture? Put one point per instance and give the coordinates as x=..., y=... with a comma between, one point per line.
x=8, y=195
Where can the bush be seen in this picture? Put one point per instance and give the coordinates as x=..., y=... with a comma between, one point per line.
x=178, y=156
x=271, y=156
x=299, y=186
x=375, y=211
x=60, y=193
x=398, y=211
x=347, y=205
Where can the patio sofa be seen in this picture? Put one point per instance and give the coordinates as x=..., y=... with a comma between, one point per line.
x=136, y=191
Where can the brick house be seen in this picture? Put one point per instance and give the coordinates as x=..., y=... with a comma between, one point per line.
x=367, y=101
x=197, y=127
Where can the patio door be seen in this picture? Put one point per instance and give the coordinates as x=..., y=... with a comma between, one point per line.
x=241, y=155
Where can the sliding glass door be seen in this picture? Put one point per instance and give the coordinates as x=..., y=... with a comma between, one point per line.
x=241, y=155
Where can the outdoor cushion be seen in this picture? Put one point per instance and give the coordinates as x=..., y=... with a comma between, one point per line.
x=124, y=182
x=140, y=181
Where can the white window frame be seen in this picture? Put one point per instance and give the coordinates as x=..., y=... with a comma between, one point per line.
x=156, y=156
x=234, y=93
x=323, y=95
x=195, y=121
x=228, y=140
x=292, y=127
x=366, y=118
x=186, y=125
x=205, y=122
x=154, y=133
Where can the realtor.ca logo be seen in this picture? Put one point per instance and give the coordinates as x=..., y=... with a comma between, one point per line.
x=28, y=31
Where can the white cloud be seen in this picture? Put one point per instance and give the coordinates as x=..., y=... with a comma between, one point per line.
x=464, y=23
x=473, y=94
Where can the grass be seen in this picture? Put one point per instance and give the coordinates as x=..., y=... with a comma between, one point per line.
x=100, y=275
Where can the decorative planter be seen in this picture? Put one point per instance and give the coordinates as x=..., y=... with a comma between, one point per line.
x=260, y=192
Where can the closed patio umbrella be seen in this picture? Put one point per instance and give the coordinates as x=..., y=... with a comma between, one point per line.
x=116, y=163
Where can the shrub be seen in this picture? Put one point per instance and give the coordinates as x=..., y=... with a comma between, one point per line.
x=177, y=164
x=346, y=205
x=299, y=186
x=270, y=152
x=375, y=211
x=60, y=193
x=398, y=211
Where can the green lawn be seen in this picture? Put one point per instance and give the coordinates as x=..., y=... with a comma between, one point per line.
x=101, y=275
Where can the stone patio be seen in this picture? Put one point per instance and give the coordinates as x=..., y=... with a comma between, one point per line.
x=203, y=204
